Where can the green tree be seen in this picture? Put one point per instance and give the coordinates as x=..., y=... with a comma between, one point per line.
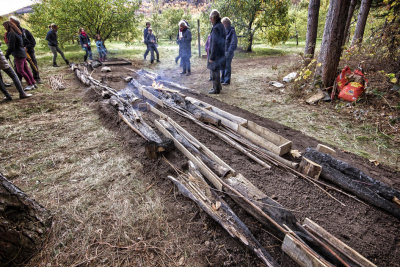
x=109, y=18
x=250, y=16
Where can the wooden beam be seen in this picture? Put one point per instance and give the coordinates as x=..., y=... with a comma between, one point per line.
x=326, y=149
x=203, y=167
x=258, y=140
x=337, y=244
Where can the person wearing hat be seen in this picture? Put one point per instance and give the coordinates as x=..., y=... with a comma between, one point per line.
x=152, y=44
x=185, y=49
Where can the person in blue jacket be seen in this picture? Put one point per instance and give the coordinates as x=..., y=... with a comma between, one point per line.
x=101, y=48
x=145, y=33
x=52, y=41
x=152, y=45
x=230, y=47
x=85, y=43
x=216, y=55
x=185, y=49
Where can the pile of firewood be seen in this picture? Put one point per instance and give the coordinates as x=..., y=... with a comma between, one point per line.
x=307, y=243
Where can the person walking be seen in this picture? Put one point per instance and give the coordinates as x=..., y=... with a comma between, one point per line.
x=185, y=49
x=152, y=44
x=4, y=66
x=52, y=41
x=216, y=56
x=29, y=44
x=101, y=48
x=84, y=40
x=145, y=33
x=16, y=48
x=230, y=47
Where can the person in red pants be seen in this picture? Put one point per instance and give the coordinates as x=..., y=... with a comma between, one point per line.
x=16, y=48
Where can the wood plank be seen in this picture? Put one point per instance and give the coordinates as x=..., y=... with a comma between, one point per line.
x=299, y=254
x=336, y=243
x=203, y=168
x=326, y=149
x=258, y=140
x=227, y=115
x=284, y=144
x=204, y=149
x=310, y=168
x=150, y=96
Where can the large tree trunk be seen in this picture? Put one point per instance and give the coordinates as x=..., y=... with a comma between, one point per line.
x=361, y=22
x=250, y=41
x=348, y=21
x=23, y=225
x=331, y=47
x=312, y=29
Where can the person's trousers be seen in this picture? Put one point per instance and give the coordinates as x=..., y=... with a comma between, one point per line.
x=54, y=50
x=216, y=77
x=153, y=49
x=35, y=68
x=88, y=53
x=22, y=68
x=147, y=51
x=185, y=64
x=10, y=72
x=226, y=72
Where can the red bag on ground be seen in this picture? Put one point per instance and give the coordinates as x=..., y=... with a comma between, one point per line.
x=351, y=85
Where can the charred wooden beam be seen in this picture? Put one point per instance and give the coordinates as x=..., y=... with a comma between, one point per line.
x=355, y=181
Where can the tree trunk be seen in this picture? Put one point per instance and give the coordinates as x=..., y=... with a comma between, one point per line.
x=331, y=47
x=348, y=21
x=361, y=22
x=23, y=224
x=250, y=40
x=312, y=29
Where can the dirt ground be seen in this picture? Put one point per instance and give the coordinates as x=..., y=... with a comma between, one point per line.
x=113, y=207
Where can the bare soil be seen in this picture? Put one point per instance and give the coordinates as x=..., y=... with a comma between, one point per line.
x=370, y=231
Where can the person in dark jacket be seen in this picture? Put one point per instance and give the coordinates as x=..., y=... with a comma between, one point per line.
x=145, y=33
x=230, y=47
x=52, y=41
x=152, y=44
x=16, y=48
x=185, y=49
x=207, y=49
x=85, y=44
x=216, y=56
x=29, y=44
x=4, y=66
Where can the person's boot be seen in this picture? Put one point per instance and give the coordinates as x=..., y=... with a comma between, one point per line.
x=183, y=71
x=67, y=62
x=188, y=72
x=6, y=93
x=55, y=64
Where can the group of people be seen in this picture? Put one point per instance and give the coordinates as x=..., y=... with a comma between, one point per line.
x=21, y=45
x=220, y=47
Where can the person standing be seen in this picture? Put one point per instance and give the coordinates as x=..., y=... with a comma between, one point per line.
x=145, y=33
x=101, y=48
x=216, y=56
x=29, y=44
x=52, y=41
x=152, y=44
x=4, y=66
x=85, y=44
x=230, y=47
x=16, y=48
x=185, y=49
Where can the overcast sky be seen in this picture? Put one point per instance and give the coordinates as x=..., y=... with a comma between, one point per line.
x=8, y=6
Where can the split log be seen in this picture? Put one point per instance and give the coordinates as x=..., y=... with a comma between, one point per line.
x=310, y=168
x=221, y=213
x=325, y=149
x=355, y=181
x=220, y=170
x=201, y=115
x=24, y=225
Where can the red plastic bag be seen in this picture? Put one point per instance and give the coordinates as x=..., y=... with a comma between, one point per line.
x=351, y=91
x=342, y=79
x=351, y=84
